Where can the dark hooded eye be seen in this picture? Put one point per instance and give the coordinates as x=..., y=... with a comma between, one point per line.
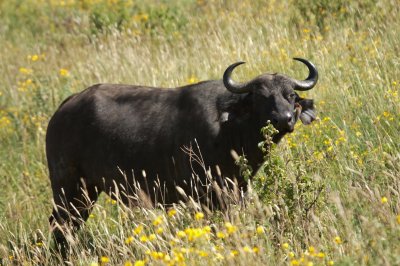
x=292, y=96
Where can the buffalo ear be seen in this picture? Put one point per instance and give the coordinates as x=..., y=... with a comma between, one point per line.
x=226, y=117
x=307, y=114
x=237, y=110
x=233, y=116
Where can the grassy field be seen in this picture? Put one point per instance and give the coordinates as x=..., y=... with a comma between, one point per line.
x=331, y=193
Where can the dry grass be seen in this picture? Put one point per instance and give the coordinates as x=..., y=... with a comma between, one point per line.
x=347, y=164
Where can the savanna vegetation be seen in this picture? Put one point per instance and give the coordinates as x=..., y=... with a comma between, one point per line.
x=329, y=194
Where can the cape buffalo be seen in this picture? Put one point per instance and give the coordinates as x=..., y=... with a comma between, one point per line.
x=110, y=137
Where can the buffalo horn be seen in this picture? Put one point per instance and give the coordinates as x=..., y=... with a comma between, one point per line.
x=230, y=84
x=311, y=80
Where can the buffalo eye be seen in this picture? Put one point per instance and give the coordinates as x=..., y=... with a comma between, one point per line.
x=292, y=96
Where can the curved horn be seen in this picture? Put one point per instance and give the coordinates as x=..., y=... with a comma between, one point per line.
x=230, y=84
x=311, y=80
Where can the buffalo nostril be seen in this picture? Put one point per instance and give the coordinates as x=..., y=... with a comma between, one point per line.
x=289, y=117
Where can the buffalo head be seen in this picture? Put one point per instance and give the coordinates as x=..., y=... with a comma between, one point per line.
x=273, y=97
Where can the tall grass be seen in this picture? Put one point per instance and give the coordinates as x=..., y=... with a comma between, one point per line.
x=337, y=200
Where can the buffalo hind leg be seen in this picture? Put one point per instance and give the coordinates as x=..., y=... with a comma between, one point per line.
x=73, y=204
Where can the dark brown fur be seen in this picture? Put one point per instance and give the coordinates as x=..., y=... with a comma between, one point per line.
x=107, y=136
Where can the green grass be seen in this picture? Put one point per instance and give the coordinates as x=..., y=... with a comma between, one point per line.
x=339, y=191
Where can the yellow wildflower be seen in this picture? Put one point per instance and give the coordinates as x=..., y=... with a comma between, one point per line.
x=138, y=229
x=26, y=71
x=358, y=134
x=167, y=258
x=129, y=240
x=171, y=212
x=181, y=234
x=4, y=121
x=340, y=139
x=145, y=17
x=291, y=255
x=291, y=143
x=157, y=221
x=128, y=263
x=260, y=230
x=338, y=240
x=256, y=249
x=321, y=255
x=179, y=257
x=331, y=262
x=285, y=245
x=139, y=263
x=194, y=233
x=199, y=216
x=311, y=249
x=318, y=155
x=384, y=200
x=230, y=228
x=63, y=72
x=234, y=253
x=398, y=219
x=207, y=229
x=159, y=230
x=140, y=17
x=144, y=238
x=203, y=253
x=104, y=259
x=34, y=57
x=220, y=235
x=294, y=262
x=157, y=255
x=152, y=237
x=192, y=80
x=247, y=249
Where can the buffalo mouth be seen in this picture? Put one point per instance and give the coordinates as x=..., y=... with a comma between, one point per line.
x=287, y=129
x=291, y=129
x=278, y=136
x=282, y=131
